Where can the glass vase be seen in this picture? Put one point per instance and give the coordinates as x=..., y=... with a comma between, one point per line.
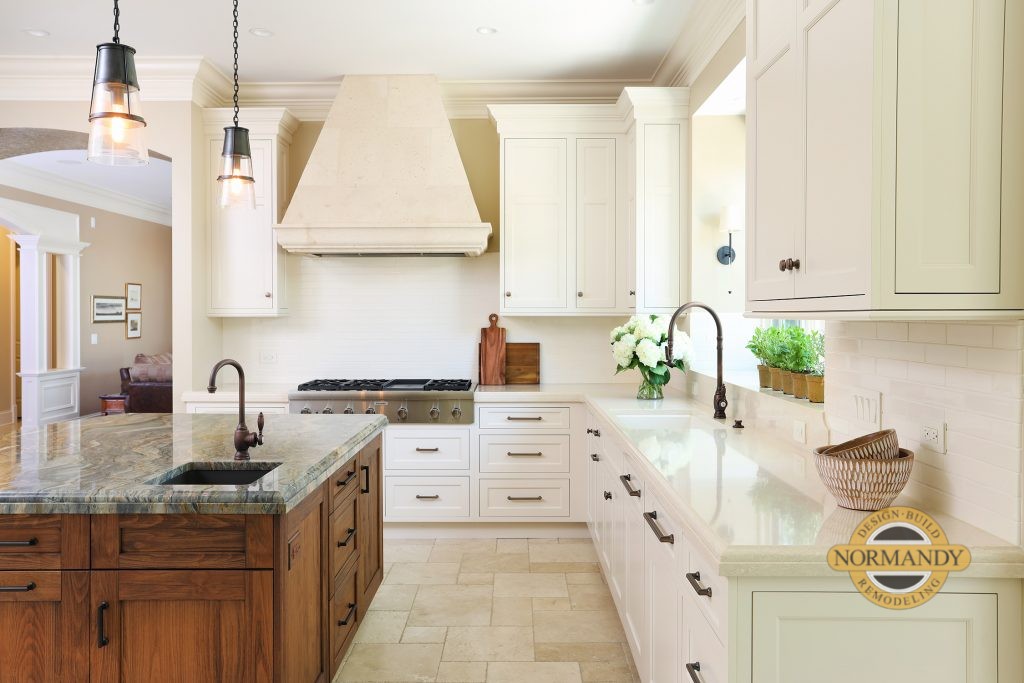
x=649, y=391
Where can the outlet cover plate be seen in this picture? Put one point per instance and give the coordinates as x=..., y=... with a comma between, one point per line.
x=933, y=437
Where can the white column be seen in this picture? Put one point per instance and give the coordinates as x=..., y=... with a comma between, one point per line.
x=34, y=284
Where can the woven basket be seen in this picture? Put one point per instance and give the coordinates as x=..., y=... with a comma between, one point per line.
x=861, y=483
x=879, y=445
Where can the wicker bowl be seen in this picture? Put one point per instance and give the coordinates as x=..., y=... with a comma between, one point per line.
x=876, y=446
x=861, y=483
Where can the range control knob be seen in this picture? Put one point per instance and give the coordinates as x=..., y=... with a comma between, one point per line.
x=456, y=412
x=327, y=411
x=371, y=411
x=435, y=413
x=306, y=411
x=349, y=411
x=403, y=413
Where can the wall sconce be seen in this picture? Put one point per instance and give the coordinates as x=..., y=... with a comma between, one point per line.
x=730, y=221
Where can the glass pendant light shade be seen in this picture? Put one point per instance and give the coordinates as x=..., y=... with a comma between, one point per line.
x=115, y=112
x=237, y=186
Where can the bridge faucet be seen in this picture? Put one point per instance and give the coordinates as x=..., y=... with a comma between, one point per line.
x=720, y=400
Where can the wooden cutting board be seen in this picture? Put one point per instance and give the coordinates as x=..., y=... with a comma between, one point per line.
x=522, y=363
x=492, y=353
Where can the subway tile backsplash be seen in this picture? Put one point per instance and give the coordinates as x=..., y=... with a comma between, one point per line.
x=968, y=376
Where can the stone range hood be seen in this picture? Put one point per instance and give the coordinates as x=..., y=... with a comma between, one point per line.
x=385, y=177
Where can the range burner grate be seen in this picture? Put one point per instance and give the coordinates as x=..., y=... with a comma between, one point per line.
x=387, y=385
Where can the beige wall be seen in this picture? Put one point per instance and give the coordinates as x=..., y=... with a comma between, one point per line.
x=6, y=325
x=121, y=249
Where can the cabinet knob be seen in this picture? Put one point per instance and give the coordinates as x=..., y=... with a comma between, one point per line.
x=508, y=293
x=579, y=294
x=268, y=295
x=795, y=265
x=632, y=292
x=783, y=266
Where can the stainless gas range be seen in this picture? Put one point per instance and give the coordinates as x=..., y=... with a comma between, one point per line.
x=402, y=401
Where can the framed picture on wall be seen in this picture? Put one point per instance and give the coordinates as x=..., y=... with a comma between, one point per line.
x=108, y=309
x=133, y=293
x=133, y=326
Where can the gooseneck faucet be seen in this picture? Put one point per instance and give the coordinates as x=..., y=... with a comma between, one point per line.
x=720, y=400
x=244, y=439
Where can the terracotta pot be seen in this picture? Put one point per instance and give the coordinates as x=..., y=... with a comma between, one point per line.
x=776, y=375
x=799, y=385
x=787, y=382
x=816, y=388
x=764, y=376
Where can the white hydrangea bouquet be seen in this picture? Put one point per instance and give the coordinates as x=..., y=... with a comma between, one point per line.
x=641, y=344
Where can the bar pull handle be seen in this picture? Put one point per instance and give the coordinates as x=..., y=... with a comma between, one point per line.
x=595, y=457
x=30, y=586
x=625, y=478
x=692, y=668
x=101, y=628
x=524, y=455
x=607, y=495
x=345, y=542
x=652, y=521
x=698, y=587
x=427, y=450
x=366, y=471
x=514, y=498
x=346, y=480
x=19, y=544
x=516, y=418
x=349, y=615
x=433, y=497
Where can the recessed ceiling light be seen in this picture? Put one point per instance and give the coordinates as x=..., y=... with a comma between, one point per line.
x=261, y=32
x=486, y=30
x=36, y=32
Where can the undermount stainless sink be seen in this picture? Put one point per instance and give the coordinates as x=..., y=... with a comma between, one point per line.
x=231, y=473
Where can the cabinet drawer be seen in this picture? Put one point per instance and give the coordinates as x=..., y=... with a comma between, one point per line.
x=715, y=607
x=701, y=647
x=345, y=614
x=416, y=497
x=344, y=482
x=344, y=536
x=30, y=586
x=44, y=542
x=524, y=453
x=524, y=497
x=426, y=449
x=525, y=417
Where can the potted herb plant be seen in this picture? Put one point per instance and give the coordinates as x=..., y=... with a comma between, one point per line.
x=804, y=365
x=816, y=377
x=793, y=356
x=775, y=344
x=759, y=346
x=641, y=345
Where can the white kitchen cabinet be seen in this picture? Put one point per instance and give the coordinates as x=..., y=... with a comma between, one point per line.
x=247, y=270
x=663, y=546
x=882, y=140
x=595, y=205
x=636, y=596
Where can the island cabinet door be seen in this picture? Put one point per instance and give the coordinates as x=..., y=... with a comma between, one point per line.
x=156, y=625
x=370, y=512
x=44, y=626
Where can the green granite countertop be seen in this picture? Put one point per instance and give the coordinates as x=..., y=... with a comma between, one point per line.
x=107, y=464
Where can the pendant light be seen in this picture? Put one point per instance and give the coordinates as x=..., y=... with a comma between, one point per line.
x=237, y=186
x=115, y=115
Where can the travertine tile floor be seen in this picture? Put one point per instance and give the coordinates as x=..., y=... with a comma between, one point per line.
x=490, y=611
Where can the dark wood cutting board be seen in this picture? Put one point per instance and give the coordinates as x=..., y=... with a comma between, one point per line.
x=522, y=363
x=492, y=353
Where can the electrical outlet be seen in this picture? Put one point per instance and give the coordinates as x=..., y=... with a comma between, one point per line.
x=799, y=431
x=268, y=357
x=934, y=437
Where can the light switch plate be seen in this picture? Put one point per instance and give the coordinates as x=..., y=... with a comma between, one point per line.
x=867, y=409
x=268, y=358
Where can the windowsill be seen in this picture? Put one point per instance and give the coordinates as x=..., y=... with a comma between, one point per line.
x=750, y=381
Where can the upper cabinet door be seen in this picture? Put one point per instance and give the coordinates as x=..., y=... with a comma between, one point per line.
x=949, y=126
x=834, y=237
x=596, y=211
x=771, y=24
x=663, y=267
x=535, y=224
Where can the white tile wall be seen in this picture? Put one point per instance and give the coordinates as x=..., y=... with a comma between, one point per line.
x=968, y=376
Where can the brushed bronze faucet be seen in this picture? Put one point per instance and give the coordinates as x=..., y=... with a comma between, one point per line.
x=244, y=439
x=720, y=400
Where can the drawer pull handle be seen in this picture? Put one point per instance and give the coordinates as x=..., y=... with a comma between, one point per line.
x=698, y=587
x=607, y=495
x=652, y=521
x=346, y=480
x=625, y=478
x=692, y=669
x=348, y=616
x=524, y=455
x=516, y=418
x=519, y=498
x=595, y=457
x=433, y=497
x=101, y=628
x=30, y=586
x=427, y=450
x=19, y=544
x=344, y=543
x=366, y=470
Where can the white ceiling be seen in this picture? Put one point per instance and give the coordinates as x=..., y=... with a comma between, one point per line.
x=325, y=39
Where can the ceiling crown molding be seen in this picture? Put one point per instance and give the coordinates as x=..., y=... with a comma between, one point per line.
x=706, y=29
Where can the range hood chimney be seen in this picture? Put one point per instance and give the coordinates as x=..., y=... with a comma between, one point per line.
x=385, y=177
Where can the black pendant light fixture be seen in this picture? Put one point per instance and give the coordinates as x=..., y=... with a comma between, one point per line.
x=237, y=186
x=115, y=115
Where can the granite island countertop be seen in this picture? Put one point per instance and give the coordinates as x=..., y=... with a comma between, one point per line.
x=106, y=464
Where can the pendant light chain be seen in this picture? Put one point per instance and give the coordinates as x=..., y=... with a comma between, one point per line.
x=235, y=44
x=117, y=23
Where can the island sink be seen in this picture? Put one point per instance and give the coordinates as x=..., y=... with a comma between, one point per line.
x=231, y=473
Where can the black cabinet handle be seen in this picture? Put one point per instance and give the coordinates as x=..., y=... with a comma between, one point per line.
x=701, y=589
x=19, y=544
x=101, y=628
x=349, y=615
x=589, y=430
x=30, y=586
x=366, y=471
x=512, y=418
x=346, y=480
x=607, y=495
x=652, y=521
x=515, y=498
x=625, y=478
x=433, y=497
x=692, y=668
x=343, y=543
x=595, y=457
x=427, y=450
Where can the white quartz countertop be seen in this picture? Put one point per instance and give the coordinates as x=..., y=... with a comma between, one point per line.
x=751, y=501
